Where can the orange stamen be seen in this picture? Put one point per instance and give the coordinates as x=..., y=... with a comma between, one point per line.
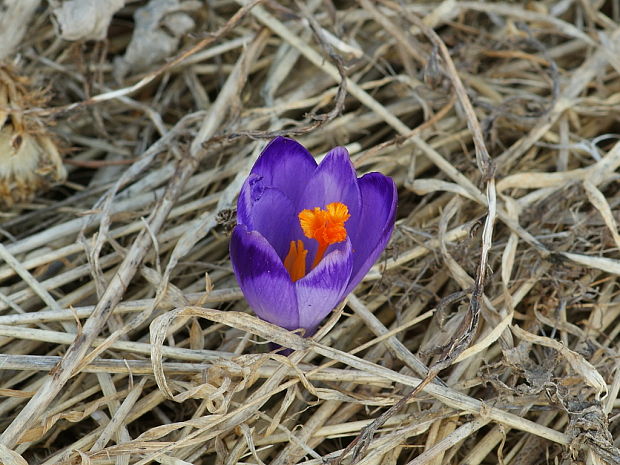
x=295, y=261
x=325, y=226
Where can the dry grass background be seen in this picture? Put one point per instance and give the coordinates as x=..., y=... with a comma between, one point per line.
x=123, y=334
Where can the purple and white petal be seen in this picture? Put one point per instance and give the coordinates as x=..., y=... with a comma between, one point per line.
x=264, y=281
x=323, y=288
x=286, y=165
x=373, y=231
x=268, y=211
x=251, y=191
x=334, y=181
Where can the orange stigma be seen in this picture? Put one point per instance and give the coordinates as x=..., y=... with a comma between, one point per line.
x=325, y=226
x=295, y=261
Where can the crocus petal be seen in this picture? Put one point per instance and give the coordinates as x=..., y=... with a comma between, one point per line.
x=333, y=181
x=268, y=211
x=376, y=223
x=286, y=165
x=264, y=281
x=323, y=288
x=251, y=191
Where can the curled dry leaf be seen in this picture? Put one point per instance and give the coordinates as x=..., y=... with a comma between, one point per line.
x=589, y=431
x=29, y=157
x=159, y=27
x=576, y=361
x=219, y=388
x=16, y=14
x=86, y=19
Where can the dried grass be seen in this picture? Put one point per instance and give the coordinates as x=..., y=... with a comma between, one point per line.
x=125, y=339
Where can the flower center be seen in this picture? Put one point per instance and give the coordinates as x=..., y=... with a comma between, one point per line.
x=326, y=226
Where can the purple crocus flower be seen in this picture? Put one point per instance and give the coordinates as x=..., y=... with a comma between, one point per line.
x=306, y=235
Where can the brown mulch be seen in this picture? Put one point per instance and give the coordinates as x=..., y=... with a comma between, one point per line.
x=126, y=131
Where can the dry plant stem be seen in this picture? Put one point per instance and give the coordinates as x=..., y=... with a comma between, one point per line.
x=112, y=295
x=481, y=153
x=362, y=441
x=216, y=296
x=75, y=273
x=282, y=336
x=145, y=367
x=319, y=120
x=336, y=430
x=276, y=26
x=391, y=28
x=260, y=399
x=292, y=453
x=207, y=222
x=119, y=417
x=28, y=278
x=116, y=94
x=114, y=292
x=461, y=433
x=118, y=207
x=127, y=199
x=252, y=404
x=180, y=353
x=446, y=395
x=580, y=79
x=220, y=108
x=392, y=439
x=554, y=259
x=509, y=10
x=121, y=434
x=394, y=344
x=469, y=324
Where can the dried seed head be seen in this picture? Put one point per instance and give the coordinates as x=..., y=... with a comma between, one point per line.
x=29, y=158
